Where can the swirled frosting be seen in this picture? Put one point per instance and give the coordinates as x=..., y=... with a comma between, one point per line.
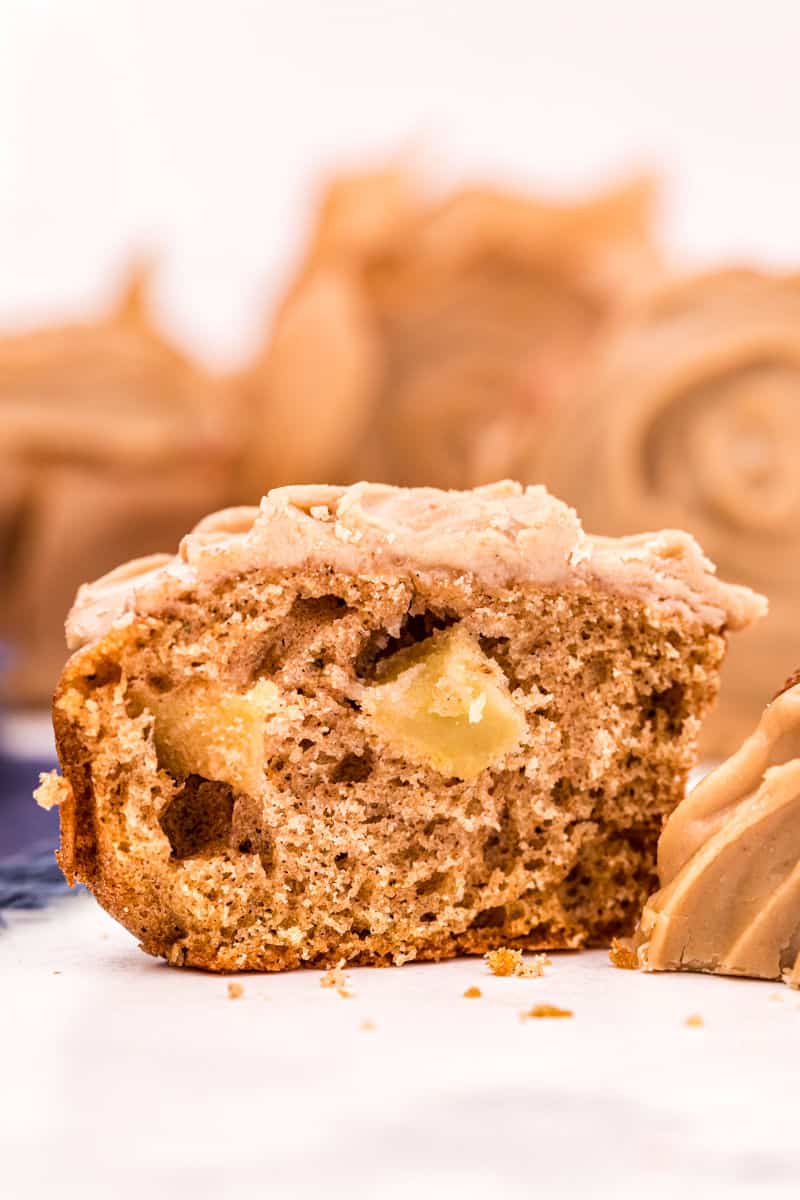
x=437, y=328
x=111, y=390
x=729, y=863
x=111, y=441
x=501, y=533
x=694, y=420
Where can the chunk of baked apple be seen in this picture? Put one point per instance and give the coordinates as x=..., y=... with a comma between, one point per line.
x=207, y=731
x=443, y=702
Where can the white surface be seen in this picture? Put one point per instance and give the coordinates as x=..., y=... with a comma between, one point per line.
x=125, y=1078
x=199, y=128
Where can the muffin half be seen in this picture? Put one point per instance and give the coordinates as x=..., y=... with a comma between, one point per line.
x=378, y=724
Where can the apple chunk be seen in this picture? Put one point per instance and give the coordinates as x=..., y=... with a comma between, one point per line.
x=446, y=704
x=206, y=731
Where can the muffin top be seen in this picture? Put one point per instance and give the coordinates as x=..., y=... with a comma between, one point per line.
x=501, y=535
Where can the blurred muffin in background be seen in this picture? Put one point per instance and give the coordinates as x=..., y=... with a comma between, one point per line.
x=694, y=421
x=111, y=445
x=424, y=338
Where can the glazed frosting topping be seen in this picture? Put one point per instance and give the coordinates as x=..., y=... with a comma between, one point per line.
x=501, y=534
x=729, y=863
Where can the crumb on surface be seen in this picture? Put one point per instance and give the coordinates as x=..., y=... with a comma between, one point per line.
x=56, y=972
x=695, y=1021
x=334, y=978
x=533, y=968
x=546, y=1010
x=235, y=991
x=344, y=993
x=473, y=993
x=776, y=997
x=510, y=962
x=367, y=1025
x=503, y=961
x=622, y=955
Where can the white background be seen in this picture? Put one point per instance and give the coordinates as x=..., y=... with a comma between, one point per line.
x=199, y=129
x=125, y=1079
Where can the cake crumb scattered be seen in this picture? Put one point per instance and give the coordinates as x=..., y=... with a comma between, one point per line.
x=695, y=1021
x=546, y=1010
x=334, y=978
x=473, y=993
x=506, y=961
x=235, y=991
x=344, y=993
x=56, y=972
x=367, y=1025
x=623, y=956
x=533, y=968
x=776, y=997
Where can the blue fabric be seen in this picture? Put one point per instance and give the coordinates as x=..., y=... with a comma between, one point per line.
x=29, y=874
x=30, y=879
x=22, y=822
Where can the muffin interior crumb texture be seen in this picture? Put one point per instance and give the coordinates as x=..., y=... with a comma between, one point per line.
x=310, y=767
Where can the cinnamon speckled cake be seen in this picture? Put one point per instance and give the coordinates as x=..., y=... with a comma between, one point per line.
x=377, y=724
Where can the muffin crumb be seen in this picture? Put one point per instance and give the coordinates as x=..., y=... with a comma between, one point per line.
x=695, y=1021
x=546, y=1010
x=506, y=961
x=52, y=790
x=533, y=968
x=622, y=955
x=473, y=993
x=367, y=1025
x=235, y=991
x=334, y=978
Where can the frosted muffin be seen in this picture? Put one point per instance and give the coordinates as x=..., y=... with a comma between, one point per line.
x=111, y=443
x=425, y=337
x=377, y=724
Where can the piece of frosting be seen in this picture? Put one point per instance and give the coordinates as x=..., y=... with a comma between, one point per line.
x=729, y=863
x=501, y=534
